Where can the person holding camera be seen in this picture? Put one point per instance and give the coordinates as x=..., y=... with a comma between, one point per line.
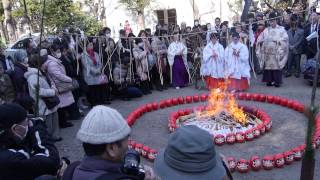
x=25, y=149
x=104, y=135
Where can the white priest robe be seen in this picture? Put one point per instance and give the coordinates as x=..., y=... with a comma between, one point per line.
x=237, y=66
x=213, y=66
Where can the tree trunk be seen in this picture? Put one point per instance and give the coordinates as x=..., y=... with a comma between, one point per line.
x=141, y=20
x=9, y=21
x=3, y=32
x=245, y=10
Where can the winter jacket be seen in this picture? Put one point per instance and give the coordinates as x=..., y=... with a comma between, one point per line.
x=7, y=93
x=141, y=60
x=119, y=74
x=92, y=72
x=45, y=90
x=35, y=156
x=70, y=65
x=58, y=78
x=21, y=86
x=93, y=167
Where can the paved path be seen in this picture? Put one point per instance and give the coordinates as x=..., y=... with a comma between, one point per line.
x=287, y=132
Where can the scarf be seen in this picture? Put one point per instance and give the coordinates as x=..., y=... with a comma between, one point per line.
x=92, y=56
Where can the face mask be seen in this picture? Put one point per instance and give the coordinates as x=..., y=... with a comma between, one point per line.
x=108, y=35
x=21, y=135
x=58, y=55
x=196, y=23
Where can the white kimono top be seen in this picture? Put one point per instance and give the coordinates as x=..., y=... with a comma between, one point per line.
x=210, y=66
x=237, y=67
x=174, y=49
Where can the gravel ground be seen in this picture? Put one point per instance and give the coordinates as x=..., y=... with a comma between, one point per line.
x=288, y=129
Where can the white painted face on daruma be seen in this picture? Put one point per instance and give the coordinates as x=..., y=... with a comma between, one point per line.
x=232, y=164
x=219, y=139
x=240, y=137
x=256, y=163
x=242, y=165
x=249, y=135
x=267, y=163
x=280, y=162
x=256, y=132
x=289, y=158
x=231, y=138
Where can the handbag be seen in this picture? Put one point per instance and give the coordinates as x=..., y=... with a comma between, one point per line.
x=103, y=79
x=75, y=84
x=51, y=102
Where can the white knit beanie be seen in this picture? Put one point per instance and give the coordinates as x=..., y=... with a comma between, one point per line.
x=103, y=125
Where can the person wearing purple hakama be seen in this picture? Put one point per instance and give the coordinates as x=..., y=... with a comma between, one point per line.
x=177, y=57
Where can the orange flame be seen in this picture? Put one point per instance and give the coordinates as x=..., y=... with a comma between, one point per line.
x=220, y=100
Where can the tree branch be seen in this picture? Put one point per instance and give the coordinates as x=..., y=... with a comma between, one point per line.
x=269, y=5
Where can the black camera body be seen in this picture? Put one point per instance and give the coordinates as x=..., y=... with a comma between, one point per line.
x=131, y=165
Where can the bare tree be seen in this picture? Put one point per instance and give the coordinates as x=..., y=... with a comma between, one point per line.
x=245, y=11
x=9, y=21
x=137, y=8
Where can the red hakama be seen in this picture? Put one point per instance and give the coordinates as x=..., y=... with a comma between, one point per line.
x=213, y=83
x=238, y=84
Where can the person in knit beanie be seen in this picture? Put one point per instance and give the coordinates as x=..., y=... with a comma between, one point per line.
x=104, y=135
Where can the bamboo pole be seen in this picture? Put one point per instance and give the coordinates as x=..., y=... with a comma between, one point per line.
x=38, y=73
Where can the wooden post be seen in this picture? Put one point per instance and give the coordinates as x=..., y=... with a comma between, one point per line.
x=308, y=161
x=39, y=59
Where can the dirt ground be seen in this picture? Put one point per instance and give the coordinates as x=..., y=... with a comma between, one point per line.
x=288, y=129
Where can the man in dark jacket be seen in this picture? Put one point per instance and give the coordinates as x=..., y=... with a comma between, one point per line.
x=296, y=36
x=25, y=149
x=104, y=135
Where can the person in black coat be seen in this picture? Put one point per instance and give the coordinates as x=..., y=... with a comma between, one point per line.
x=19, y=81
x=61, y=39
x=70, y=64
x=26, y=151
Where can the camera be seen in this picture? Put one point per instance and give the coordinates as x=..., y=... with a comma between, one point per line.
x=131, y=165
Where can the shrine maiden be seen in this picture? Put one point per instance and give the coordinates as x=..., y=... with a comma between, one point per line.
x=272, y=51
x=237, y=64
x=213, y=63
x=177, y=58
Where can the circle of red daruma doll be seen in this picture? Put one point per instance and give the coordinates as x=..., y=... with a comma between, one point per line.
x=297, y=153
x=231, y=163
x=279, y=160
x=288, y=157
x=249, y=135
x=145, y=151
x=219, y=139
x=231, y=138
x=256, y=132
x=138, y=148
x=242, y=166
x=152, y=154
x=267, y=162
x=240, y=137
x=255, y=163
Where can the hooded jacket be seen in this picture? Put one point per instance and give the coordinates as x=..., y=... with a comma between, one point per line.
x=44, y=90
x=58, y=78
